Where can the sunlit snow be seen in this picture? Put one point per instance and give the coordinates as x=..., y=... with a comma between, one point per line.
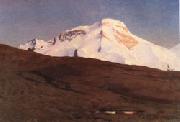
x=107, y=40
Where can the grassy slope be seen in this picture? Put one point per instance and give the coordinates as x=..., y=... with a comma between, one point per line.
x=37, y=88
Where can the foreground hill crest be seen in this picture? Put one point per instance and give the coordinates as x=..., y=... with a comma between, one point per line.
x=40, y=88
x=107, y=40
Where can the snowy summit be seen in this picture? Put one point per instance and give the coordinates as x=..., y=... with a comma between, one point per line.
x=107, y=40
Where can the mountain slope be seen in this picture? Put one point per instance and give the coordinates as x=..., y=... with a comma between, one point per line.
x=176, y=49
x=108, y=40
x=35, y=87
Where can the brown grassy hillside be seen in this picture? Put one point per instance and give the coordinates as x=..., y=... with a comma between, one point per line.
x=37, y=88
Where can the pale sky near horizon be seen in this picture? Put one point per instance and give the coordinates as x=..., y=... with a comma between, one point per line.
x=23, y=20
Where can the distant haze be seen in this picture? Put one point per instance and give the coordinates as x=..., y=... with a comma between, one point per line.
x=23, y=20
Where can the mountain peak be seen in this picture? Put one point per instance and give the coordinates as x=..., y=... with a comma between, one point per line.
x=119, y=31
x=113, y=22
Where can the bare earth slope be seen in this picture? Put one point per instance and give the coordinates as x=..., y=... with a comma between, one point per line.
x=37, y=88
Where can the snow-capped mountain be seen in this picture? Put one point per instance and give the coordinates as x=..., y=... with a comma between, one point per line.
x=176, y=49
x=108, y=40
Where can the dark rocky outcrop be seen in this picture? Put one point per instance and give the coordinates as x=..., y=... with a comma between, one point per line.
x=71, y=35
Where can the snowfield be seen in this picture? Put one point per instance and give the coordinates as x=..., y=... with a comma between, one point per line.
x=176, y=50
x=107, y=40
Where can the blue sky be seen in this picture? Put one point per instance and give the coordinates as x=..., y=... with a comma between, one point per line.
x=22, y=20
